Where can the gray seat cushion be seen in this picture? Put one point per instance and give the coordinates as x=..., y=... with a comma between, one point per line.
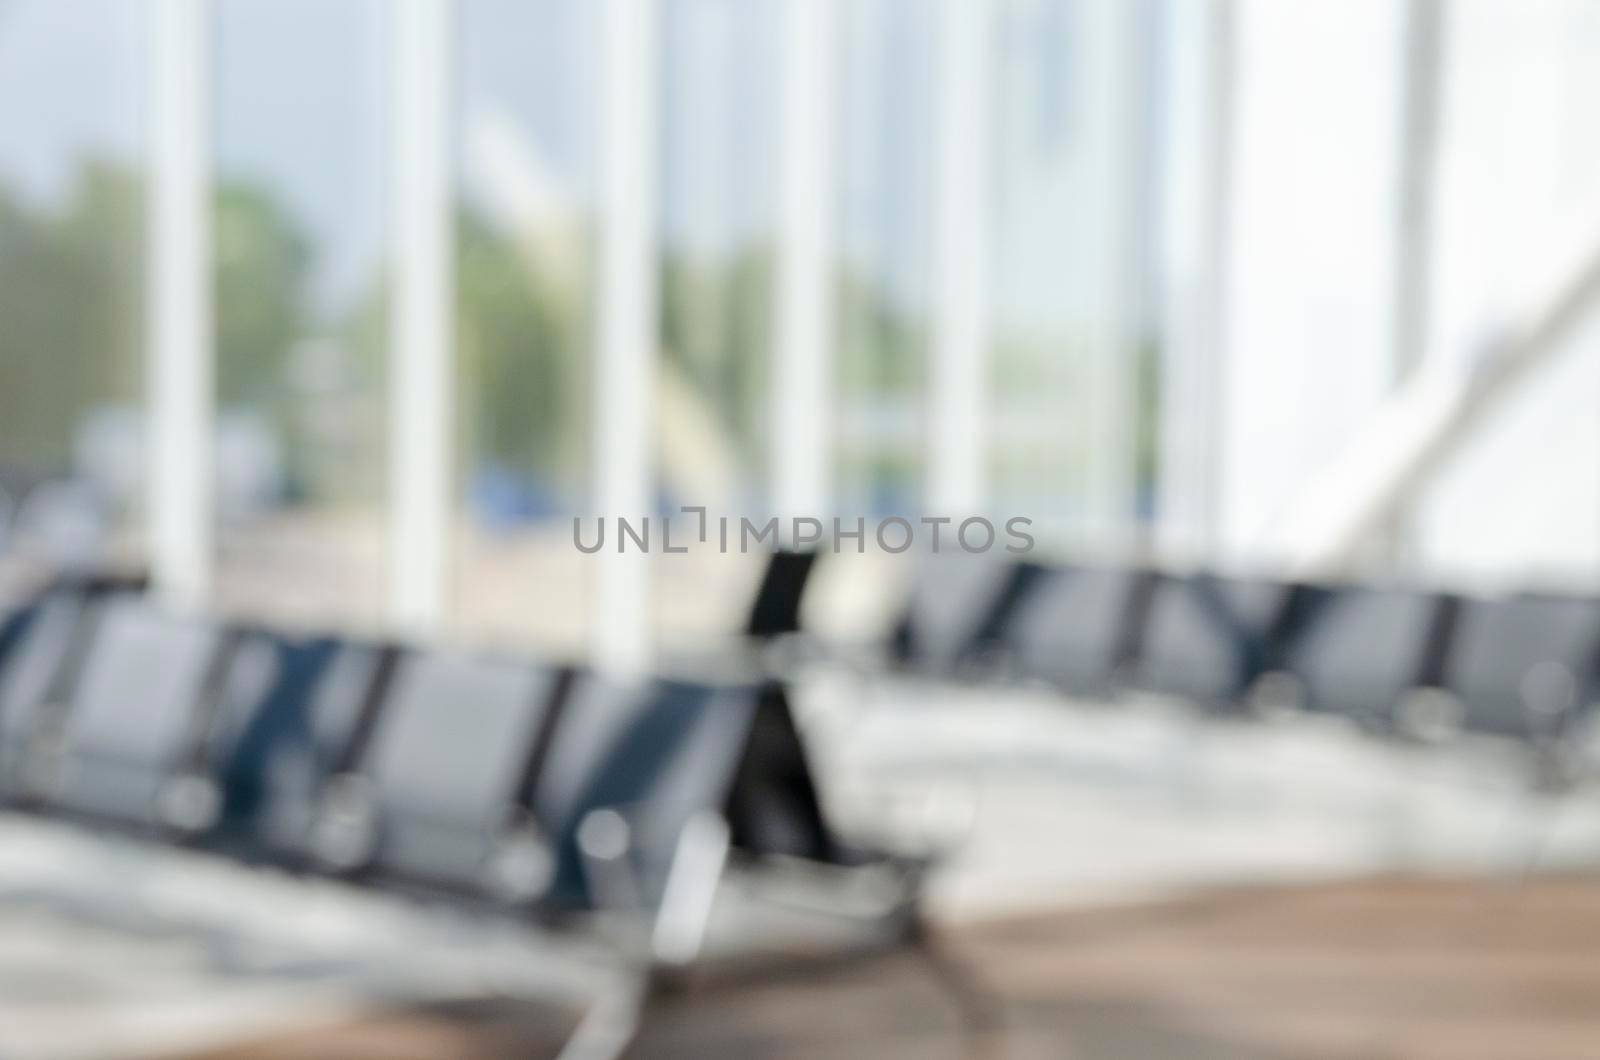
x=1363, y=649
x=447, y=758
x=1520, y=664
x=1071, y=628
x=135, y=710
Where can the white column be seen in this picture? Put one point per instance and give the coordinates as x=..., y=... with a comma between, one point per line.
x=627, y=334
x=1417, y=150
x=180, y=307
x=420, y=323
x=1199, y=100
x=957, y=455
x=804, y=333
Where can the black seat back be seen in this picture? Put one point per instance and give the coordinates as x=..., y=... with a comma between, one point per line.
x=309, y=728
x=773, y=807
x=776, y=610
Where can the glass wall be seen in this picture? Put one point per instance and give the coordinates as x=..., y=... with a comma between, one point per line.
x=72, y=82
x=1300, y=321
x=1043, y=337
x=298, y=215
x=526, y=134
x=718, y=167
x=1074, y=361
x=885, y=219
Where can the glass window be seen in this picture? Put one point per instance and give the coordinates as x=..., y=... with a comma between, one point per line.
x=300, y=320
x=1065, y=192
x=719, y=137
x=526, y=132
x=71, y=278
x=884, y=241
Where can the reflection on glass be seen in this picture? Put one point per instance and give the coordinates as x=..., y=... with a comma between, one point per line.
x=1044, y=324
x=886, y=153
x=298, y=229
x=71, y=265
x=525, y=142
x=718, y=184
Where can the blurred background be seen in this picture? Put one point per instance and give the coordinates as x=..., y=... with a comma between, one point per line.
x=338, y=313
x=1190, y=250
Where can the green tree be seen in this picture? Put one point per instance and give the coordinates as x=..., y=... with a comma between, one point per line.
x=70, y=283
x=260, y=271
x=716, y=326
x=523, y=372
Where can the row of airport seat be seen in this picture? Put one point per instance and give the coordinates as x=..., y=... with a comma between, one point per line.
x=526, y=787
x=1401, y=658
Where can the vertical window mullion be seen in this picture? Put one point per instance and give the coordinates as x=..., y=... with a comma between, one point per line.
x=625, y=367
x=421, y=406
x=180, y=312
x=803, y=348
x=1199, y=100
